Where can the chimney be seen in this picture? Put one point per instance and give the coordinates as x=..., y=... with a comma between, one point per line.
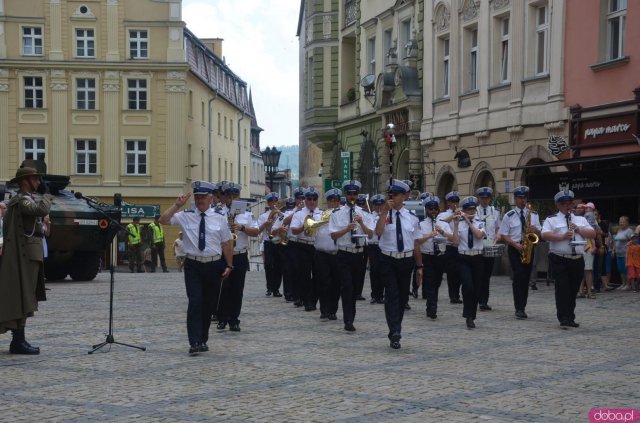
x=214, y=44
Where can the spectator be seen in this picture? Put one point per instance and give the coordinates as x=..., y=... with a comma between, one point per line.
x=621, y=239
x=148, y=260
x=633, y=260
x=178, y=251
x=604, y=256
x=587, y=210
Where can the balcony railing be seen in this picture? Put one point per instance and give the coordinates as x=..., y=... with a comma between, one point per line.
x=349, y=12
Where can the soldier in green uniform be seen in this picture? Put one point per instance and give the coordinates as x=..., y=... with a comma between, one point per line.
x=22, y=269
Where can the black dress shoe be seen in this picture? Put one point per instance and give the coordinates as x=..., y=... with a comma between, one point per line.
x=214, y=318
x=288, y=298
x=380, y=301
x=297, y=303
x=573, y=324
x=520, y=314
x=360, y=298
x=222, y=325
x=407, y=306
x=332, y=316
x=310, y=308
x=165, y=271
x=324, y=316
x=23, y=347
x=432, y=315
x=485, y=307
x=395, y=345
x=348, y=326
x=373, y=300
x=470, y=324
x=456, y=301
x=194, y=349
x=534, y=288
x=414, y=292
x=565, y=324
x=234, y=327
x=268, y=293
x=204, y=347
x=277, y=294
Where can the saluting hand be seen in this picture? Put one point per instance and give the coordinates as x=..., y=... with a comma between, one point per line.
x=182, y=199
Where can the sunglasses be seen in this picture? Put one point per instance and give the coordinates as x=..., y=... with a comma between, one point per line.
x=351, y=192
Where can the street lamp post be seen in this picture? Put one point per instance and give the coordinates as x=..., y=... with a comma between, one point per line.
x=271, y=158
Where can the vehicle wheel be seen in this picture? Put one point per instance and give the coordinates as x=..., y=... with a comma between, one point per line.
x=84, y=266
x=55, y=272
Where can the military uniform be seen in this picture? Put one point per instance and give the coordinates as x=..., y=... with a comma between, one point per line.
x=326, y=272
x=22, y=266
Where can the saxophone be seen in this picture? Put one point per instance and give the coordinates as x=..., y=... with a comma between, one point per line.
x=529, y=240
x=231, y=217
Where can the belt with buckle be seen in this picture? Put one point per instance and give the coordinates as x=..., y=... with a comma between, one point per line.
x=396, y=254
x=432, y=253
x=351, y=250
x=569, y=256
x=204, y=259
x=333, y=253
x=471, y=253
x=304, y=241
x=244, y=250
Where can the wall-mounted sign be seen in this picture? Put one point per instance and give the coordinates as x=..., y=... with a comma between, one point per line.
x=586, y=184
x=141, y=211
x=345, y=165
x=608, y=129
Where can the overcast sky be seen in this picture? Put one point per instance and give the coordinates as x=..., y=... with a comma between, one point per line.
x=260, y=46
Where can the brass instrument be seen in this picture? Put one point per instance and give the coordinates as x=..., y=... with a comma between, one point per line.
x=529, y=240
x=275, y=211
x=231, y=221
x=311, y=226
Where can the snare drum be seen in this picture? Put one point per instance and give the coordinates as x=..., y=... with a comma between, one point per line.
x=493, y=250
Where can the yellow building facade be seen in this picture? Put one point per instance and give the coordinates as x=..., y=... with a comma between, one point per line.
x=120, y=96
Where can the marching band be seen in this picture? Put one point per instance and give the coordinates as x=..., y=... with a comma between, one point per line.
x=320, y=257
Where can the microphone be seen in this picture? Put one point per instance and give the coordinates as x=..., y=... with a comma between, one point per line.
x=79, y=196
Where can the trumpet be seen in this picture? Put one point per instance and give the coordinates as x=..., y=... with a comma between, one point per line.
x=275, y=211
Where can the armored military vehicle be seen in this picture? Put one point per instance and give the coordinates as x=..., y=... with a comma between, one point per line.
x=80, y=234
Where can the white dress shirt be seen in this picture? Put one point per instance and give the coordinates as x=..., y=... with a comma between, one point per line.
x=511, y=225
x=216, y=231
x=341, y=219
x=427, y=226
x=323, y=241
x=246, y=219
x=298, y=221
x=279, y=222
x=491, y=218
x=463, y=234
x=373, y=221
x=410, y=232
x=557, y=223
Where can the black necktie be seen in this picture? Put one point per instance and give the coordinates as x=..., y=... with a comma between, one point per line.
x=523, y=223
x=201, y=242
x=470, y=237
x=399, y=233
x=436, y=247
x=568, y=217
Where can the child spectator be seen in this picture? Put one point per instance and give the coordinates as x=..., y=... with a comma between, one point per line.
x=148, y=260
x=621, y=239
x=633, y=261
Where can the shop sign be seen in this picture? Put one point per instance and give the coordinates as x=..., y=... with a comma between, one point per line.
x=345, y=165
x=587, y=184
x=610, y=129
x=141, y=211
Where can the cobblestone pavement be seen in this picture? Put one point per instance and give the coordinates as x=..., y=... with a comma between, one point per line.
x=287, y=365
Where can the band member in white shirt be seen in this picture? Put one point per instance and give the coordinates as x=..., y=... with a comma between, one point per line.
x=431, y=244
x=348, y=227
x=286, y=252
x=305, y=251
x=452, y=199
x=373, y=250
x=232, y=291
x=398, y=229
x=326, y=262
x=471, y=232
x=512, y=231
x=207, y=239
x=491, y=218
x=567, y=235
x=272, y=269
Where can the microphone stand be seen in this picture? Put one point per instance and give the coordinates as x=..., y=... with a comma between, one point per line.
x=114, y=253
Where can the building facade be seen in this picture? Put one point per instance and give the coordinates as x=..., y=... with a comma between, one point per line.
x=120, y=96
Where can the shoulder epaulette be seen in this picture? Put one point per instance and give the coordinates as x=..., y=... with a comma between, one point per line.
x=534, y=212
x=552, y=215
x=189, y=211
x=335, y=210
x=220, y=212
x=281, y=218
x=511, y=213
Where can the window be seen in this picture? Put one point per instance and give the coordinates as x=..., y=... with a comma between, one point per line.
x=202, y=113
x=405, y=36
x=138, y=44
x=231, y=129
x=136, y=157
x=219, y=124
x=32, y=41
x=85, y=43
x=309, y=83
x=504, y=50
x=137, y=94
x=386, y=45
x=371, y=55
x=616, y=19
x=473, y=60
x=33, y=149
x=542, y=40
x=86, y=94
x=86, y=155
x=445, y=66
x=225, y=127
x=33, y=92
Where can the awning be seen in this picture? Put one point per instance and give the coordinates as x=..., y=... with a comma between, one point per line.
x=567, y=162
